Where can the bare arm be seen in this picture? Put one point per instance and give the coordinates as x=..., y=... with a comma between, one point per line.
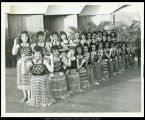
x=15, y=47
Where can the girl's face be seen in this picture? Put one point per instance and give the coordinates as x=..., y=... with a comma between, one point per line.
x=89, y=35
x=55, y=53
x=83, y=36
x=112, y=34
x=76, y=35
x=85, y=49
x=94, y=36
x=112, y=45
x=55, y=36
x=37, y=55
x=116, y=45
x=79, y=50
x=63, y=36
x=107, y=45
x=64, y=54
x=72, y=52
x=100, y=46
x=24, y=38
x=109, y=38
x=93, y=48
x=119, y=44
x=41, y=38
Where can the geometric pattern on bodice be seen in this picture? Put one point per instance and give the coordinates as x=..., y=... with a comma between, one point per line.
x=38, y=69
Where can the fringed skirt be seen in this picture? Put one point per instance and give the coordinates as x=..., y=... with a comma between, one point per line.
x=73, y=81
x=90, y=74
x=110, y=66
x=58, y=85
x=40, y=91
x=115, y=64
x=97, y=70
x=84, y=78
x=104, y=68
x=120, y=64
x=23, y=80
x=126, y=61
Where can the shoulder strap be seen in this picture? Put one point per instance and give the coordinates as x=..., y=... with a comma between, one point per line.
x=20, y=45
x=32, y=62
x=44, y=44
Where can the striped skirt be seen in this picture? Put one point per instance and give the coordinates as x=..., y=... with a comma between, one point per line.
x=120, y=65
x=58, y=85
x=90, y=74
x=104, y=68
x=126, y=60
x=84, y=78
x=97, y=70
x=130, y=59
x=23, y=80
x=110, y=66
x=115, y=64
x=40, y=91
x=73, y=81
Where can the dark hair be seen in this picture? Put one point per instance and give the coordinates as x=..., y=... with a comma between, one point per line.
x=63, y=33
x=40, y=33
x=100, y=32
x=92, y=45
x=24, y=32
x=114, y=34
x=78, y=46
x=83, y=34
x=89, y=33
x=55, y=47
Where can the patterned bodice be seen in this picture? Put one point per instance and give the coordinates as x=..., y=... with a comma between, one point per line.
x=27, y=51
x=113, y=54
x=100, y=53
x=58, y=66
x=80, y=61
x=38, y=69
x=94, y=56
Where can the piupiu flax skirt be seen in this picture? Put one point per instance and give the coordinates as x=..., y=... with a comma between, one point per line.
x=74, y=81
x=104, y=68
x=40, y=91
x=97, y=70
x=58, y=85
x=90, y=74
x=115, y=64
x=23, y=80
x=84, y=78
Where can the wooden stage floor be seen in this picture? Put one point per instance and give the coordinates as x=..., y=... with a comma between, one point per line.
x=121, y=93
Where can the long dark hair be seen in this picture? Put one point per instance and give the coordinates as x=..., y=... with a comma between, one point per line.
x=24, y=32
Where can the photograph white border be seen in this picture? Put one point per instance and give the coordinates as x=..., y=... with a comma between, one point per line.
x=103, y=114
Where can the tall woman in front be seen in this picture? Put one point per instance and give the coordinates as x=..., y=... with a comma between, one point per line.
x=22, y=49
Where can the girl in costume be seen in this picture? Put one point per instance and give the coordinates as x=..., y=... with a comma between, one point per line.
x=73, y=76
x=89, y=38
x=108, y=59
x=82, y=68
x=22, y=48
x=40, y=82
x=83, y=39
x=89, y=67
x=58, y=83
x=95, y=62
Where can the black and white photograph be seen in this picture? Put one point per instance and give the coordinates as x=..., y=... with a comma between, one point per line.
x=72, y=59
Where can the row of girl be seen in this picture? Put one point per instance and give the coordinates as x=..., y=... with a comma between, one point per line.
x=47, y=71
